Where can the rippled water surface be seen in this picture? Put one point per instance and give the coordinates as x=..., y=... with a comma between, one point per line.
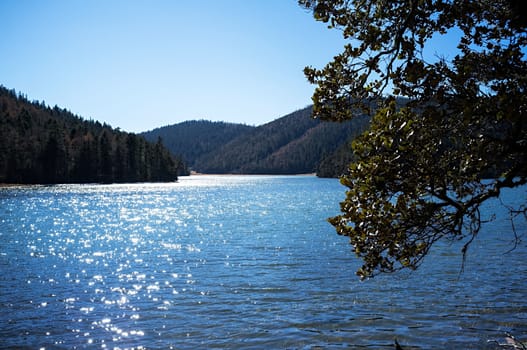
x=236, y=262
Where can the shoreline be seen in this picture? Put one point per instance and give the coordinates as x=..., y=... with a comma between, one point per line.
x=10, y=185
x=193, y=173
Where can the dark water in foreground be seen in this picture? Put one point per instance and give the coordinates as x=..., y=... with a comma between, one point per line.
x=236, y=262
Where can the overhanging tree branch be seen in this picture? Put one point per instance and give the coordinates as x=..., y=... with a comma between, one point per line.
x=419, y=172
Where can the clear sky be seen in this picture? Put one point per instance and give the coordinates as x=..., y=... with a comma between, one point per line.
x=138, y=64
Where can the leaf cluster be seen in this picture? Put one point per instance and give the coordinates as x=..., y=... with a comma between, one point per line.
x=419, y=171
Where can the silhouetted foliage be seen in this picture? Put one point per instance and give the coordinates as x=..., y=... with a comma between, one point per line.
x=418, y=173
x=39, y=144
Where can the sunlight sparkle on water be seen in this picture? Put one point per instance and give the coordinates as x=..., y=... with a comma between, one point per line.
x=247, y=261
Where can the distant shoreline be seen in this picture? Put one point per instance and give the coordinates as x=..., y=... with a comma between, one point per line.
x=194, y=173
x=9, y=185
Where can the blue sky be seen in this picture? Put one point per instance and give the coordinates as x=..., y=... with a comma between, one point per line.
x=138, y=64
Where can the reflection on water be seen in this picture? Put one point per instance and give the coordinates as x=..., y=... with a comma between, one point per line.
x=235, y=262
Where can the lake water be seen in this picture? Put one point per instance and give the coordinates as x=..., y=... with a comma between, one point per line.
x=237, y=262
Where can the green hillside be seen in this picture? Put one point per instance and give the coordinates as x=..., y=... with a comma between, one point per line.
x=247, y=153
x=293, y=144
x=192, y=139
x=40, y=144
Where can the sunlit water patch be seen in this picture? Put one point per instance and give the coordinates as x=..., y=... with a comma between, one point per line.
x=235, y=262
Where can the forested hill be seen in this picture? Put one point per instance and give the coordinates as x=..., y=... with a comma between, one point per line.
x=193, y=139
x=293, y=144
x=39, y=144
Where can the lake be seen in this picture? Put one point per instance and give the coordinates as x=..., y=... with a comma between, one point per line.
x=237, y=262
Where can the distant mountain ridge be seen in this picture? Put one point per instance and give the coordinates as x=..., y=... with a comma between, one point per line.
x=293, y=144
x=40, y=144
x=192, y=139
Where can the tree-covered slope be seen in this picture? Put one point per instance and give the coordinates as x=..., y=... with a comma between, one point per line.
x=244, y=153
x=39, y=144
x=193, y=139
x=337, y=163
x=292, y=144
